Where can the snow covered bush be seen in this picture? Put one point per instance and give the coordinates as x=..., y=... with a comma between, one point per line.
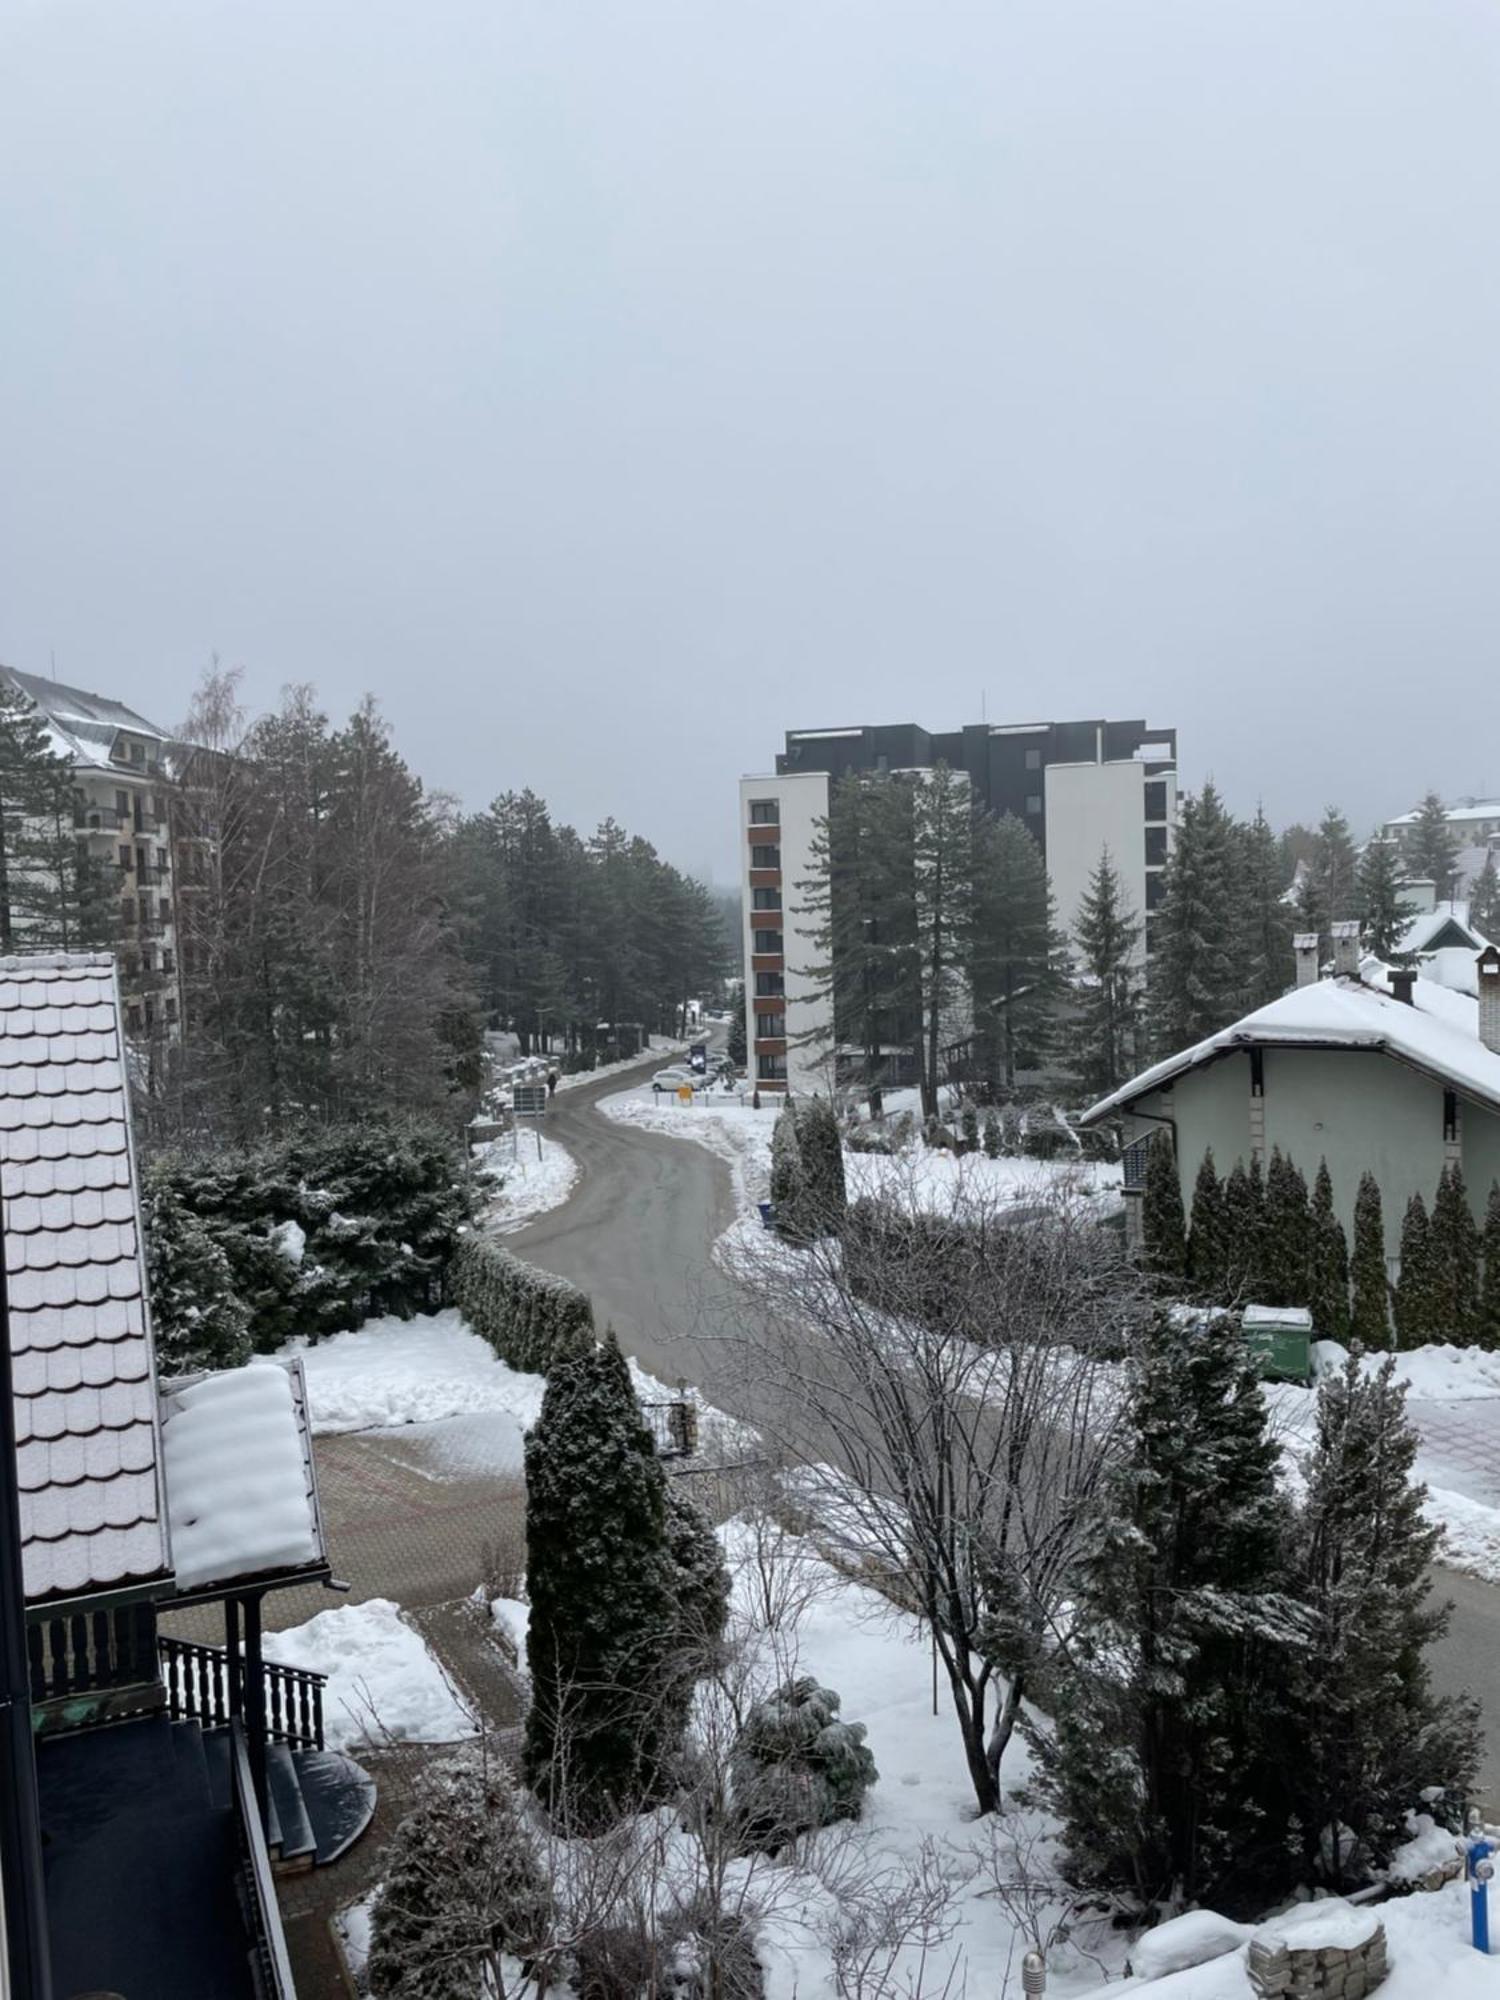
x=532, y=1319
x=462, y=1887
x=796, y=1766
x=199, y=1319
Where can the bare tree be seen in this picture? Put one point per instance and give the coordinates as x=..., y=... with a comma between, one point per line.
x=942, y=1386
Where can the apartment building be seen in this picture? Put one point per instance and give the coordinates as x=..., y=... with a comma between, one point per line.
x=1080, y=787
x=122, y=814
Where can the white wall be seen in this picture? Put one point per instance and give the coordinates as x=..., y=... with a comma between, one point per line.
x=803, y=800
x=1090, y=807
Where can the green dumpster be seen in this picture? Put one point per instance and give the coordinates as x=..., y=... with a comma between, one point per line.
x=1279, y=1339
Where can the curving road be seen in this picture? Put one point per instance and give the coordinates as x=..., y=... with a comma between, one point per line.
x=637, y=1234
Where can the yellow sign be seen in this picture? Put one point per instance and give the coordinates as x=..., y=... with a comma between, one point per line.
x=684, y=1093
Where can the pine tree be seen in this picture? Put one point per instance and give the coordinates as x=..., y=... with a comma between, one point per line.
x=1265, y=919
x=1413, y=1304
x=1106, y=940
x=1207, y=1249
x=1244, y=1219
x=1284, y=1273
x=53, y=895
x=1166, y=1718
x=1334, y=868
x=1163, y=1225
x=796, y=1766
x=793, y=1201
x=1383, y=914
x=1370, y=1312
x=1432, y=846
x=1367, y=1735
x=1453, y=1248
x=461, y=1885
x=1484, y=900
x=1013, y=949
x=943, y=843
x=1489, y=1295
x=1197, y=973
x=1328, y=1291
x=600, y=1577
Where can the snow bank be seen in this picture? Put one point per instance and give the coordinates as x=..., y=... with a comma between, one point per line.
x=237, y=1499
x=1328, y=1925
x=1438, y=1374
x=511, y=1617
x=531, y=1186
x=411, y=1371
x=384, y=1686
x=1188, y=1940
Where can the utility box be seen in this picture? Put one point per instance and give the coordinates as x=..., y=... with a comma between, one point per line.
x=1279, y=1339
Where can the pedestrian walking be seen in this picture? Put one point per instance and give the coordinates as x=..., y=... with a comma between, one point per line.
x=551, y=1085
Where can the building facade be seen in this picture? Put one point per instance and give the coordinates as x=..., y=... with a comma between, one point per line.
x=1079, y=787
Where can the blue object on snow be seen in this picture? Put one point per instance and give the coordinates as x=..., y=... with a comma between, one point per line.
x=1478, y=1868
x=767, y=1214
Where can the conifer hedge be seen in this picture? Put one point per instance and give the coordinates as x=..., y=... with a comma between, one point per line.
x=532, y=1319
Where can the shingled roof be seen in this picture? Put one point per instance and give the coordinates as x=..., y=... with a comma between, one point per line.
x=88, y=1451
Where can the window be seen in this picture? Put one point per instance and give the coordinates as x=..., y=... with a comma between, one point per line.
x=137, y=753
x=166, y=909
x=1033, y=802
x=768, y=985
x=150, y=1012
x=127, y=856
x=1033, y=760
x=1156, y=798
x=765, y=857
x=122, y=804
x=133, y=1019
x=161, y=861
x=168, y=962
x=766, y=941
x=1156, y=846
x=765, y=812
x=1153, y=892
x=771, y=1069
x=765, y=899
x=144, y=903
x=770, y=1027
x=171, y=1007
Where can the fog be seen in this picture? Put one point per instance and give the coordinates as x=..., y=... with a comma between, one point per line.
x=611, y=385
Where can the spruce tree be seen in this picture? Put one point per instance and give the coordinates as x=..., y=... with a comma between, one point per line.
x=1454, y=1261
x=1106, y=938
x=1013, y=950
x=789, y=1192
x=1160, y=1762
x=1265, y=919
x=1207, y=1249
x=1413, y=1304
x=1197, y=970
x=1383, y=914
x=822, y=1199
x=994, y=1143
x=54, y=896
x=1163, y=1226
x=1243, y=1222
x=1367, y=1735
x=700, y=1597
x=1284, y=1273
x=1484, y=900
x=943, y=858
x=1370, y=1310
x=1328, y=1290
x=1334, y=867
x=1432, y=846
x=600, y=1576
x=1489, y=1290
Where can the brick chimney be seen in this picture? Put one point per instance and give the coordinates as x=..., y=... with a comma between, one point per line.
x=1404, y=985
x=1346, y=950
x=1487, y=965
x=1305, y=945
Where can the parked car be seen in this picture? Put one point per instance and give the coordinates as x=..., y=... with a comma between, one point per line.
x=675, y=1075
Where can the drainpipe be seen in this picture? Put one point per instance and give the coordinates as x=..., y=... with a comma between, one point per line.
x=23, y=1908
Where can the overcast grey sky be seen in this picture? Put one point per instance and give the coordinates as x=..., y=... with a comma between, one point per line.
x=609, y=385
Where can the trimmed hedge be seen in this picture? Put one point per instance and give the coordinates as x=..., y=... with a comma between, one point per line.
x=531, y=1318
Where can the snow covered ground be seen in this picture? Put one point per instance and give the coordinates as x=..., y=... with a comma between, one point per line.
x=384, y=1686
x=529, y=1185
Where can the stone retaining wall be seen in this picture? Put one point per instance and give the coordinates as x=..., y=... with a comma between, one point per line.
x=1280, y=1969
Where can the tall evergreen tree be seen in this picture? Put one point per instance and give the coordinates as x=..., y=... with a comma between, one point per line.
x=602, y=1628
x=820, y=1150
x=1432, y=845
x=1106, y=940
x=1197, y=973
x=1413, y=1302
x=1328, y=1290
x=1207, y=1245
x=1165, y=1723
x=1014, y=948
x=1370, y=1310
x=1453, y=1242
x=1484, y=899
x=1383, y=914
x=1244, y=1219
x=1163, y=1224
x=1265, y=918
x=943, y=841
x=1367, y=1735
x=1334, y=868
x=1285, y=1266
x=1489, y=1294
x=53, y=895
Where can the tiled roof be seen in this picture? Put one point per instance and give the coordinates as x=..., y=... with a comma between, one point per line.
x=87, y=1451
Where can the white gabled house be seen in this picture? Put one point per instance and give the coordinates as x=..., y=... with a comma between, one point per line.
x=1370, y=1069
x=170, y=1775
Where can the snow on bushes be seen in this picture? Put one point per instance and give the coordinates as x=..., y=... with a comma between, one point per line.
x=796, y=1766
x=531, y=1318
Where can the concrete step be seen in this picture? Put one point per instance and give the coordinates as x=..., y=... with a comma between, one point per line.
x=294, y=1840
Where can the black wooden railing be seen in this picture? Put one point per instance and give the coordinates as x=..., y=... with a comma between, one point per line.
x=92, y=1653
x=270, y=1968
x=201, y=1687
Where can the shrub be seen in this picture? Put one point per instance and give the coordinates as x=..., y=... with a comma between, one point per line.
x=795, y=1766
x=532, y=1319
x=994, y=1138
x=199, y=1320
x=969, y=1126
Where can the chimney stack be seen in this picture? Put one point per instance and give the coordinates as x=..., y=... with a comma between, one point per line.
x=1305, y=945
x=1487, y=965
x=1346, y=950
x=1403, y=985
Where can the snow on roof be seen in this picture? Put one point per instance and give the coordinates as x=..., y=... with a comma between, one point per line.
x=241, y=1498
x=83, y=726
x=1476, y=810
x=84, y=1393
x=1427, y=926
x=1436, y=1034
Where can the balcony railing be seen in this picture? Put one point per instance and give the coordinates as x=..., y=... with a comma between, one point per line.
x=93, y=1658
x=203, y=1686
x=270, y=1968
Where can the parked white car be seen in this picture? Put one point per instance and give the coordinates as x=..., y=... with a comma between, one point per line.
x=676, y=1074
